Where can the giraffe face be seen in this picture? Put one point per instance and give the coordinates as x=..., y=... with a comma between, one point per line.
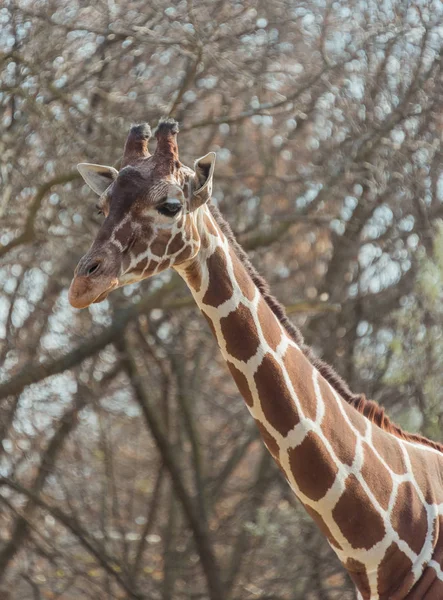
x=149, y=210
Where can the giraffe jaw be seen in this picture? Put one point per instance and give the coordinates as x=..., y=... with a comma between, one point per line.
x=102, y=297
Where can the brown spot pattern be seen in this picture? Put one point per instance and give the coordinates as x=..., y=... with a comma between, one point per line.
x=322, y=526
x=392, y=571
x=141, y=266
x=438, y=533
x=335, y=428
x=358, y=574
x=176, y=243
x=151, y=265
x=435, y=592
x=242, y=277
x=312, y=467
x=194, y=275
x=124, y=234
x=300, y=372
x=158, y=246
x=184, y=255
x=242, y=383
x=427, y=587
x=166, y=264
x=376, y=476
x=409, y=517
x=427, y=473
x=270, y=442
x=388, y=447
x=364, y=527
x=220, y=286
x=211, y=325
x=269, y=327
x=204, y=241
x=139, y=246
x=276, y=401
x=209, y=226
x=240, y=333
x=356, y=419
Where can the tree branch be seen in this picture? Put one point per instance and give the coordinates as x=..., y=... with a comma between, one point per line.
x=201, y=535
x=28, y=232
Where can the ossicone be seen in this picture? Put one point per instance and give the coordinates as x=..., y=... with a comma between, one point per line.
x=136, y=146
x=166, y=135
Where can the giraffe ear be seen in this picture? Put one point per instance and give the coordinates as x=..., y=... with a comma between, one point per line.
x=202, y=184
x=98, y=177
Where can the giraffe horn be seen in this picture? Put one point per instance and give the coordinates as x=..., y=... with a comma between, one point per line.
x=166, y=135
x=136, y=143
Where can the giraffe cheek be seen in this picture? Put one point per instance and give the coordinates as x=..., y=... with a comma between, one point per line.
x=176, y=244
x=185, y=254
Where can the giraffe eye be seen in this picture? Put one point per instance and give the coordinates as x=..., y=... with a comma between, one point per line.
x=99, y=210
x=170, y=207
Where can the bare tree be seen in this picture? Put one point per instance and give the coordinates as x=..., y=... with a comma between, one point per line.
x=129, y=468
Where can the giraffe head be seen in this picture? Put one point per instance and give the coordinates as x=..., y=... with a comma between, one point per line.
x=149, y=210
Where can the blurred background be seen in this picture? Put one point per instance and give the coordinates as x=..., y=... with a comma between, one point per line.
x=129, y=466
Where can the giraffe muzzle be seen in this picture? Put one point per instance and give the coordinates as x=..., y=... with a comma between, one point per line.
x=85, y=290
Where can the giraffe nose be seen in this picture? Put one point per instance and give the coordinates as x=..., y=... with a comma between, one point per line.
x=93, y=268
x=89, y=267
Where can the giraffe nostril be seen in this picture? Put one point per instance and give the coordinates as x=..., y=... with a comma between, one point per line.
x=93, y=268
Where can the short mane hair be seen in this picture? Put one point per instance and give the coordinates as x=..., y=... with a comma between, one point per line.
x=370, y=409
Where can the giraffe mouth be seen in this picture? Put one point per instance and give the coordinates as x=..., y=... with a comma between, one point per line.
x=102, y=297
x=83, y=292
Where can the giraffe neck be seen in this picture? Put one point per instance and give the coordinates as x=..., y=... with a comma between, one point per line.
x=334, y=459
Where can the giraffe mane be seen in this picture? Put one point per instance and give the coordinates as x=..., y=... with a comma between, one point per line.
x=368, y=408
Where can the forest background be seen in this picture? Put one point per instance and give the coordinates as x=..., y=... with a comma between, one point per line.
x=123, y=439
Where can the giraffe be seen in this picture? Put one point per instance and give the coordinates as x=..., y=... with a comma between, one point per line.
x=374, y=490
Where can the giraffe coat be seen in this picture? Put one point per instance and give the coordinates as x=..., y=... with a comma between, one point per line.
x=375, y=492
